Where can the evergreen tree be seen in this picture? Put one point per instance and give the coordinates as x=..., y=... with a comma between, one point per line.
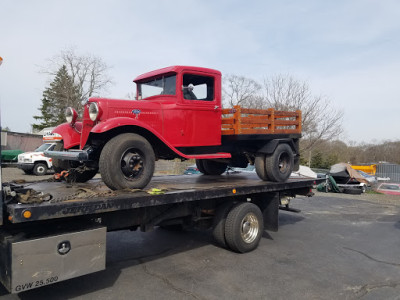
x=61, y=93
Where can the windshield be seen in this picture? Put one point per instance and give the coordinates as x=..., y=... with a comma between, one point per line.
x=165, y=85
x=44, y=147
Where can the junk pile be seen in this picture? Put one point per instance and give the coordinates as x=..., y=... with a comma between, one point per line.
x=342, y=178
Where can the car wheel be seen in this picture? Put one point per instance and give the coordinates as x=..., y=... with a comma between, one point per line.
x=40, y=169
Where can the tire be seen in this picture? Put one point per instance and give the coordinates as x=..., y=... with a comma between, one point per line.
x=279, y=165
x=244, y=227
x=40, y=169
x=219, y=223
x=352, y=191
x=127, y=161
x=259, y=164
x=85, y=175
x=213, y=167
x=199, y=165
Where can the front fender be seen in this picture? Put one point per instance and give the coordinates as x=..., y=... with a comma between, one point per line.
x=71, y=135
x=122, y=121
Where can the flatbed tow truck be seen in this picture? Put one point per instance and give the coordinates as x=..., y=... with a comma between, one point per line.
x=54, y=231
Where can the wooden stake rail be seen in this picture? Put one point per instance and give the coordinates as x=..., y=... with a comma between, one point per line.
x=260, y=121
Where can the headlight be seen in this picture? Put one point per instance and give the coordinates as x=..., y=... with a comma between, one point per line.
x=71, y=115
x=93, y=111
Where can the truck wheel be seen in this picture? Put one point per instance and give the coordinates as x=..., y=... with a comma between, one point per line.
x=213, y=167
x=279, y=165
x=40, y=169
x=199, y=165
x=219, y=220
x=85, y=175
x=127, y=161
x=244, y=227
x=259, y=164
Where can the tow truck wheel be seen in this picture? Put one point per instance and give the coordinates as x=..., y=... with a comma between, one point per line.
x=211, y=167
x=219, y=220
x=279, y=165
x=127, y=161
x=259, y=164
x=40, y=169
x=244, y=227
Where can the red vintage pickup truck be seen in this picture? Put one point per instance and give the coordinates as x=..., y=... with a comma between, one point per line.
x=177, y=113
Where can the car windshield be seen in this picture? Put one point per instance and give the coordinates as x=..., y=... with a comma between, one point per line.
x=164, y=85
x=43, y=147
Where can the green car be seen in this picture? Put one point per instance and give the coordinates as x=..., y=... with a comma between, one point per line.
x=10, y=155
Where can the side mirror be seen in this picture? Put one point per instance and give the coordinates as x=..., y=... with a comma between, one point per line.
x=190, y=87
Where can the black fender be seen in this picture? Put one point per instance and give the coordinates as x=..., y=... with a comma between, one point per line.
x=271, y=145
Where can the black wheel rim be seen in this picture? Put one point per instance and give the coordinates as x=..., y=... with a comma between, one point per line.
x=284, y=163
x=132, y=163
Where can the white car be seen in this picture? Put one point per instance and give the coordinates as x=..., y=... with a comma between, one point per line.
x=35, y=162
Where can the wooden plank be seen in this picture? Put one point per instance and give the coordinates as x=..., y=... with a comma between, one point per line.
x=286, y=122
x=256, y=131
x=258, y=119
x=228, y=132
x=237, y=126
x=228, y=121
x=252, y=111
x=286, y=131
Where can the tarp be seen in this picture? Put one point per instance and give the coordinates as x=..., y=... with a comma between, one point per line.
x=305, y=172
x=343, y=169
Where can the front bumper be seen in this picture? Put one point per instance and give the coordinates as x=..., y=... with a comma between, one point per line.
x=76, y=155
x=26, y=166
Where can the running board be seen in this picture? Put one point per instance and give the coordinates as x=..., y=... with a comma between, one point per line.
x=207, y=156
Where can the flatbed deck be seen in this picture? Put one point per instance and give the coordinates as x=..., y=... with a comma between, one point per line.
x=93, y=197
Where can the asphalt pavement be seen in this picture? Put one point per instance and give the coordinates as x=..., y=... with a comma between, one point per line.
x=335, y=248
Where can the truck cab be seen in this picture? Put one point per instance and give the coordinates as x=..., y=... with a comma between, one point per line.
x=190, y=101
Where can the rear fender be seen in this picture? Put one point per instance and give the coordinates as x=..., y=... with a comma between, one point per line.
x=270, y=147
x=71, y=135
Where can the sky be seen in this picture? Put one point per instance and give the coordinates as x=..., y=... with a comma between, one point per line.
x=346, y=50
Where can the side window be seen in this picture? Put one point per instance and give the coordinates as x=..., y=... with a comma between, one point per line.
x=197, y=87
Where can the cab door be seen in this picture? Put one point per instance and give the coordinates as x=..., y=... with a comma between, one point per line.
x=200, y=108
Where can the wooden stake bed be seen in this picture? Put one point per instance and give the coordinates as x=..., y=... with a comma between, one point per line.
x=260, y=121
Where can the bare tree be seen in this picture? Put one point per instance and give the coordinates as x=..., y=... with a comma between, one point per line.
x=88, y=72
x=320, y=120
x=240, y=90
